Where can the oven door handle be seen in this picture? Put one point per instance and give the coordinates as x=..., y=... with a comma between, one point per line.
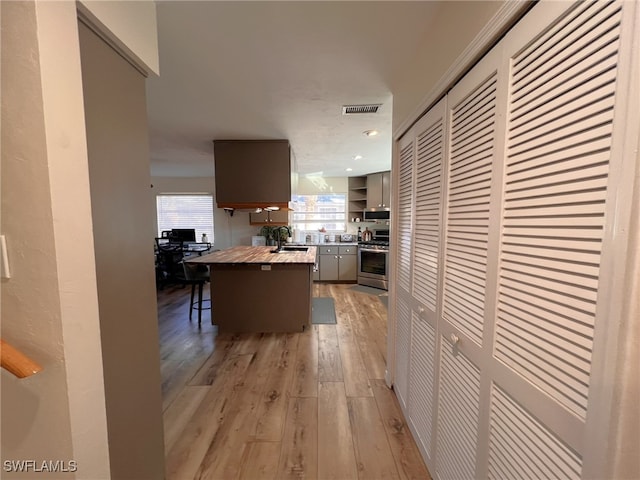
x=373, y=250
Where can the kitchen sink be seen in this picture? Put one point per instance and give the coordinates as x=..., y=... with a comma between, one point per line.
x=291, y=249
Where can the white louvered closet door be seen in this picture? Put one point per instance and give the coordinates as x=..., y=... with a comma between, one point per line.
x=558, y=155
x=428, y=191
x=509, y=366
x=474, y=136
x=404, y=227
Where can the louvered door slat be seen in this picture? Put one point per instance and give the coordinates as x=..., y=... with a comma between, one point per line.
x=540, y=327
x=559, y=360
x=581, y=322
x=564, y=128
x=580, y=245
x=579, y=296
x=539, y=46
x=428, y=193
x=574, y=256
x=538, y=113
x=588, y=272
x=565, y=232
x=405, y=208
x=457, y=414
x=520, y=446
x=422, y=372
x=469, y=108
x=581, y=42
x=595, y=168
x=403, y=350
x=554, y=202
x=473, y=250
x=565, y=123
x=533, y=269
x=549, y=162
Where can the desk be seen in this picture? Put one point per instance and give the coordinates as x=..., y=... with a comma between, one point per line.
x=169, y=257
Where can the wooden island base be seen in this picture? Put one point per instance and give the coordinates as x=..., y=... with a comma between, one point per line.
x=261, y=298
x=258, y=291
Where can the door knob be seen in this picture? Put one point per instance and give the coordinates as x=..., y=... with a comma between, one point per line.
x=454, y=339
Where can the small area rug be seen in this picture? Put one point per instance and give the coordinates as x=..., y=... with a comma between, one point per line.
x=323, y=310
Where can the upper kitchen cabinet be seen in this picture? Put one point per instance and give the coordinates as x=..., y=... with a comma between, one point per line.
x=253, y=173
x=379, y=190
x=266, y=217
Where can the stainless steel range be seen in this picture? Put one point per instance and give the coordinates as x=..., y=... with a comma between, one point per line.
x=373, y=260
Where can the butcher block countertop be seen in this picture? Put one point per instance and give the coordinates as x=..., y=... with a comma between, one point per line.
x=249, y=255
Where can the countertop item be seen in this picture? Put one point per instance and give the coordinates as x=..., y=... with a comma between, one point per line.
x=250, y=255
x=346, y=237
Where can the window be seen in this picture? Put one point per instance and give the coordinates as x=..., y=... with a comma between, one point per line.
x=312, y=212
x=186, y=211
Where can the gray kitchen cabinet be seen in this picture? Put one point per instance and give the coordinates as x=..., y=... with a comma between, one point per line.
x=379, y=190
x=347, y=263
x=338, y=263
x=328, y=263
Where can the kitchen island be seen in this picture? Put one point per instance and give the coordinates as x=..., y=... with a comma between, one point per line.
x=255, y=290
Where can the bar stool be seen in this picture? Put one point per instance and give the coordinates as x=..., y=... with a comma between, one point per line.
x=196, y=275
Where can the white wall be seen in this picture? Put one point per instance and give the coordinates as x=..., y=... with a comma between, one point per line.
x=458, y=22
x=49, y=306
x=131, y=26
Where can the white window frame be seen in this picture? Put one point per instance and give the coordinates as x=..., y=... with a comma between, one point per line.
x=313, y=219
x=198, y=215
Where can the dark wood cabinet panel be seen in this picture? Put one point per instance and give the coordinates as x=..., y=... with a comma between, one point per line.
x=252, y=173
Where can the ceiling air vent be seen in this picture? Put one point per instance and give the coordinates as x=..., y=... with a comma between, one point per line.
x=356, y=109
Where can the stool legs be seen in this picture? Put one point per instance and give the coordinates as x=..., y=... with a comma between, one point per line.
x=193, y=289
x=200, y=285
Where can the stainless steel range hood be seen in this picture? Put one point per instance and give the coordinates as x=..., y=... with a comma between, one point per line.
x=253, y=174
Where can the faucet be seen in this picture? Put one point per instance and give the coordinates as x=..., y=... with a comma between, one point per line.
x=278, y=239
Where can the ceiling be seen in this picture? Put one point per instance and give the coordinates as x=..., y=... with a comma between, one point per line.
x=281, y=70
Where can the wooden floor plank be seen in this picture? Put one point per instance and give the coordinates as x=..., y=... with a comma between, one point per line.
x=224, y=456
x=258, y=462
x=336, y=457
x=305, y=376
x=185, y=457
x=329, y=361
x=225, y=345
x=273, y=407
x=404, y=449
x=356, y=380
x=180, y=412
x=260, y=387
x=365, y=333
x=373, y=453
x=299, y=452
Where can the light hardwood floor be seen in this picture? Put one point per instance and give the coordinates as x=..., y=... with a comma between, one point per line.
x=310, y=405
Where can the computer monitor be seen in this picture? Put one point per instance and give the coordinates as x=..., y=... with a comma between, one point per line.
x=184, y=234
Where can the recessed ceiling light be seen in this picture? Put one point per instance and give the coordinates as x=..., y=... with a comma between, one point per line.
x=371, y=133
x=357, y=157
x=349, y=169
